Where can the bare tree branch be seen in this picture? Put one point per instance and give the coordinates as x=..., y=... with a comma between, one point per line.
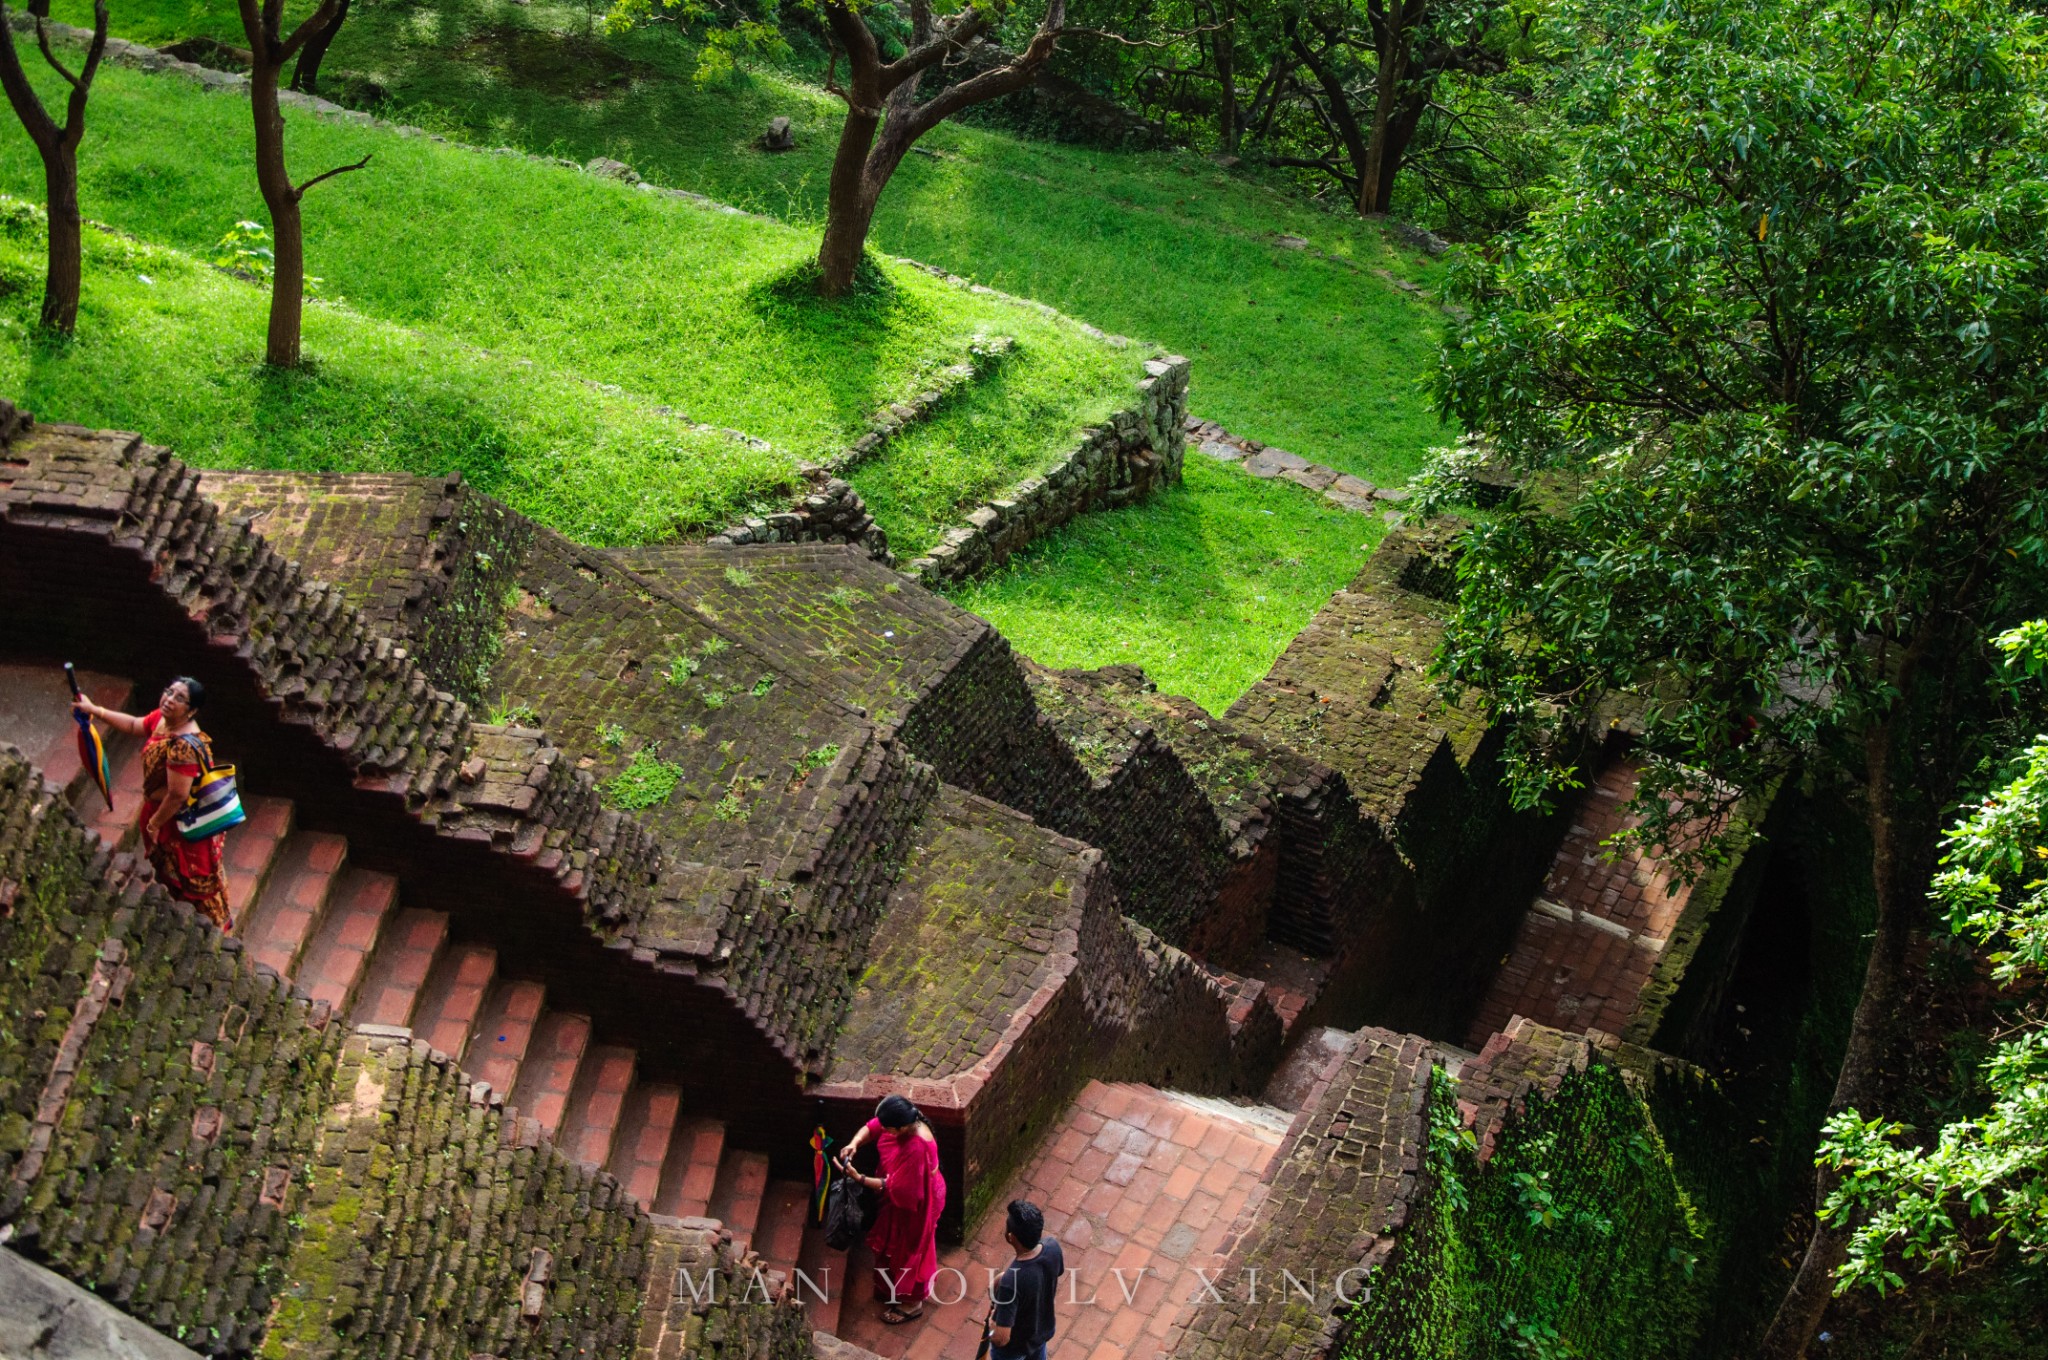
x=300, y=191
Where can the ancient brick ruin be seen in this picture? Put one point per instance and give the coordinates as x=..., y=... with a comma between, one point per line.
x=496, y=1065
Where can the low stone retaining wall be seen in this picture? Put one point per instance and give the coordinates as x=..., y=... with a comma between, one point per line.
x=1138, y=451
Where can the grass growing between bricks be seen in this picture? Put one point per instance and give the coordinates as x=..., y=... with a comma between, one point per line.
x=662, y=301
x=173, y=348
x=1203, y=585
x=1317, y=356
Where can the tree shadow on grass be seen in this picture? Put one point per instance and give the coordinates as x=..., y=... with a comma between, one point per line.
x=847, y=338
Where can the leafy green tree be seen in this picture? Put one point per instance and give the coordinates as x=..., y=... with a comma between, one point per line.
x=1774, y=361
x=1987, y=1175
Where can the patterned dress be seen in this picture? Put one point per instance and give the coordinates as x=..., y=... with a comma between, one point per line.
x=189, y=870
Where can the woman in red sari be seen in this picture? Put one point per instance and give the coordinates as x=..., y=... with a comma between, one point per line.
x=905, y=1235
x=174, y=753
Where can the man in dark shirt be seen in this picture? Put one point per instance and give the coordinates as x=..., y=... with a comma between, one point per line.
x=1022, y=1322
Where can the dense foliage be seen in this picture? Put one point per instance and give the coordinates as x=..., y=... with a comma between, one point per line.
x=1575, y=1238
x=1774, y=358
x=1983, y=1180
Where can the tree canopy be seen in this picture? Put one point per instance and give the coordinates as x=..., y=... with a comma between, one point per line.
x=1773, y=361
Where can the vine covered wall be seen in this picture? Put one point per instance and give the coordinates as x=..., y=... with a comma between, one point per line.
x=1574, y=1238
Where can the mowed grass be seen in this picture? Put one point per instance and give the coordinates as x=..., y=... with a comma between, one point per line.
x=172, y=347
x=1203, y=585
x=661, y=300
x=1319, y=351
x=1318, y=356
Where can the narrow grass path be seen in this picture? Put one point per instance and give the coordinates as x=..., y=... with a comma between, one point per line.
x=1203, y=585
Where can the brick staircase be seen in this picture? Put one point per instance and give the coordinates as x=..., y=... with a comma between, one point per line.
x=343, y=935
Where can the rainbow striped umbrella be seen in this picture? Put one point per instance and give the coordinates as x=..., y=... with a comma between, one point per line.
x=92, y=752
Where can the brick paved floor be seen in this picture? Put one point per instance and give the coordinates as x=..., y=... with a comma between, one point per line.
x=1131, y=1179
x=1586, y=949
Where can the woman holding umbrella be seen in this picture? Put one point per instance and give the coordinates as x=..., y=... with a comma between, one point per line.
x=905, y=1235
x=174, y=754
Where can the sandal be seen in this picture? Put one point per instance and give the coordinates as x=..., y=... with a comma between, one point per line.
x=895, y=1317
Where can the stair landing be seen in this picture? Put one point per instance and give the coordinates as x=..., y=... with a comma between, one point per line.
x=1130, y=1178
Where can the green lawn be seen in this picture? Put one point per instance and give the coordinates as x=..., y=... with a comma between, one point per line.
x=1203, y=585
x=666, y=301
x=173, y=348
x=670, y=304
x=1318, y=357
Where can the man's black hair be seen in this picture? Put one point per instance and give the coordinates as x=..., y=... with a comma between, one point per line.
x=1026, y=1223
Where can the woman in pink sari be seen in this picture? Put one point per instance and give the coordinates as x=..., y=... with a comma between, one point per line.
x=904, y=1237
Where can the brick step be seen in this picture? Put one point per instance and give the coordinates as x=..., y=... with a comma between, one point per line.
x=294, y=898
x=35, y=715
x=645, y=1131
x=736, y=1199
x=503, y=1030
x=547, y=1075
x=689, y=1175
x=334, y=961
x=452, y=1002
x=785, y=1207
x=596, y=1104
x=252, y=850
x=399, y=969
x=828, y=1273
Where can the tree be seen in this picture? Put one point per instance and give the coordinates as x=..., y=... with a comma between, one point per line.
x=884, y=119
x=1372, y=114
x=269, y=50
x=1775, y=361
x=58, y=146
x=306, y=73
x=1988, y=1173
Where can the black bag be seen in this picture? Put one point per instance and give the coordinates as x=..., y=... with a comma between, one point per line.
x=846, y=1213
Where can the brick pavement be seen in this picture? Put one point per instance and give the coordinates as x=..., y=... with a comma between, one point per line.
x=1590, y=941
x=1130, y=1178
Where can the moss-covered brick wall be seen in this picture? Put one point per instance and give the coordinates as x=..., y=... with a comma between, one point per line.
x=424, y=558
x=1572, y=1237
x=435, y=1226
x=157, y=1097
x=224, y=1161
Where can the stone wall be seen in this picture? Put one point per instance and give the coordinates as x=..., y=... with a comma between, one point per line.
x=1137, y=452
x=219, y=1158
x=157, y=1097
x=448, y=556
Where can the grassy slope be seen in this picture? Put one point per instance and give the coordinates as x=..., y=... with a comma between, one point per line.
x=1204, y=587
x=672, y=302
x=171, y=347
x=1316, y=356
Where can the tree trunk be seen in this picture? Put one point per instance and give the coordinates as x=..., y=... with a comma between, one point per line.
x=849, y=207
x=1226, y=77
x=306, y=74
x=1859, y=1085
x=61, y=283
x=1375, y=176
x=287, y=239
